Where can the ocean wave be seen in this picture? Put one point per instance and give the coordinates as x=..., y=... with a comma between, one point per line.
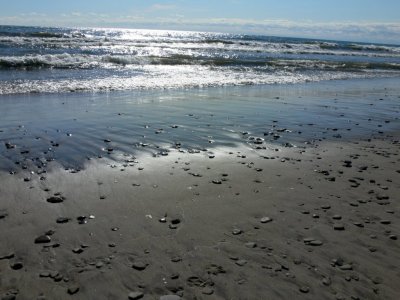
x=172, y=77
x=79, y=61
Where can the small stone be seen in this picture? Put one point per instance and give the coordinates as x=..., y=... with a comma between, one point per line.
x=207, y=291
x=216, y=181
x=312, y=242
x=346, y=267
x=304, y=289
x=236, y=231
x=250, y=245
x=139, y=265
x=326, y=281
x=337, y=217
x=393, y=237
x=16, y=265
x=175, y=221
x=55, y=199
x=241, y=262
x=77, y=250
x=338, y=226
x=44, y=274
x=82, y=220
x=73, y=289
x=43, y=239
x=385, y=222
x=265, y=219
x=62, y=220
x=135, y=295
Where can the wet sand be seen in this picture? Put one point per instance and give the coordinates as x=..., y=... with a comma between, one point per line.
x=246, y=219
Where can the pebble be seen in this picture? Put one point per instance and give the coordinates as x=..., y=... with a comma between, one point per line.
x=250, y=245
x=358, y=224
x=265, y=219
x=139, y=265
x=236, y=231
x=385, y=222
x=62, y=220
x=73, y=289
x=304, y=289
x=241, y=262
x=312, y=242
x=43, y=239
x=16, y=265
x=135, y=295
x=55, y=199
x=346, y=267
x=207, y=291
x=77, y=250
x=338, y=226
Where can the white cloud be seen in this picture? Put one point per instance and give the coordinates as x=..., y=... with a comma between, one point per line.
x=159, y=6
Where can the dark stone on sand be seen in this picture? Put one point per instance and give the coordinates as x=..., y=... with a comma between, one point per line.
x=77, y=250
x=304, y=289
x=62, y=220
x=3, y=214
x=9, y=297
x=393, y=237
x=135, y=295
x=215, y=181
x=385, y=222
x=16, y=265
x=55, y=199
x=139, y=265
x=250, y=245
x=338, y=226
x=73, y=289
x=82, y=220
x=175, y=221
x=43, y=239
x=44, y=274
x=337, y=217
x=327, y=206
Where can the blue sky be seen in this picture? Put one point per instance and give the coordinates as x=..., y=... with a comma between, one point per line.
x=358, y=20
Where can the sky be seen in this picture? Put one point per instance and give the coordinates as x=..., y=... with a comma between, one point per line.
x=354, y=20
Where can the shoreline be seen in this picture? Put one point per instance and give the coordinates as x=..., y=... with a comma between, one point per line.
x=251, y=194
x=237, y=226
